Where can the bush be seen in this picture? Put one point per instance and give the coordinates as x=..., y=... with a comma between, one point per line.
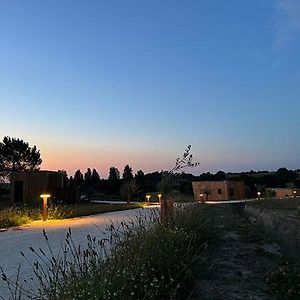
x=15, y=216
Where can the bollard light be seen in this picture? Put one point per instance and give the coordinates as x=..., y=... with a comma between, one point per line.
x=45, y=208
x=159, y=197
x=148, y=198
x=294, y=192
x=258, y=194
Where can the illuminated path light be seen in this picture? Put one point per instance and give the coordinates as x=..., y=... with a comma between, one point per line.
x=45, y=207
x=148, y=198
x=159, y=198
x=201, y=198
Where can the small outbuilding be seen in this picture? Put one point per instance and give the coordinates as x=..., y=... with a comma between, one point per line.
x=27, y=187
x=218, y=190
x=285, y=192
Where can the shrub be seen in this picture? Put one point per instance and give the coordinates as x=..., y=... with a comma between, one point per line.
x=16, y=216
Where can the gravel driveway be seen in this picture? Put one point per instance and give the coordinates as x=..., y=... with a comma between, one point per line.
x=18, y=239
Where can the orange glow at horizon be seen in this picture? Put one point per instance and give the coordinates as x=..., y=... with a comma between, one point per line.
x=72, y=160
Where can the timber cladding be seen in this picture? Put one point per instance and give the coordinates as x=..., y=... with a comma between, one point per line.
x=28, y=186
x=218, y=190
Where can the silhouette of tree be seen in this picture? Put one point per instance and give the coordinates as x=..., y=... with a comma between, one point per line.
x=186, y=161
x=220, y=176
x=139, y=176
x=64, y=172
x=127, y=174
x=129, y=189
x=16, y=155
x=87, y=186
x=140, y=179
x=78, y=178
x=169, y=180
x=88, y=177
x=114, y=174
x=95, y=178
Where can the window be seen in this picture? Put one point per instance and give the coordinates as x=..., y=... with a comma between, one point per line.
x=219, y=192
x=231, y=192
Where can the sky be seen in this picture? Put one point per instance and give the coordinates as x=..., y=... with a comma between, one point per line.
x=108, y=83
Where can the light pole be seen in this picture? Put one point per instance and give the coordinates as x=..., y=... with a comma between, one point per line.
x=45, y=208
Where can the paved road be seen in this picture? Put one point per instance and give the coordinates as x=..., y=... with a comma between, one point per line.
x=18, y=239
x=231, y=201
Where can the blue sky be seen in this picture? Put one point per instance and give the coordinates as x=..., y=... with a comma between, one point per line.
x=102, y=83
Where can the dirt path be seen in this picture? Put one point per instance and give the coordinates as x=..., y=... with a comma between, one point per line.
x=240, y=263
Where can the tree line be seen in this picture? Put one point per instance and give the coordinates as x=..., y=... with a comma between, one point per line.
x=17, y=155
x=130, y=185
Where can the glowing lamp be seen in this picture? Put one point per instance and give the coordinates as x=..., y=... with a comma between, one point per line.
x=159, y=197
x=294, y=192
x=258, y=194
x=148, y=198
x=45, y=208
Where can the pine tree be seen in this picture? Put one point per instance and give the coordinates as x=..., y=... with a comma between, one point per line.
x=127, y=174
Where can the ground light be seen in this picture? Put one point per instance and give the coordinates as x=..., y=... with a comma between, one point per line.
x=258, y=195
x=201, y=198
x=294, y=192
x=45, y=207
x=148, y=198
x=159, y=198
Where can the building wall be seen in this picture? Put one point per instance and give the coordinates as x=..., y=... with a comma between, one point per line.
x=238, y=188
x=218, y=190
x=286, y=192
x=36, y=183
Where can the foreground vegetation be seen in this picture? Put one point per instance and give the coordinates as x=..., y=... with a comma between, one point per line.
x=282, y=225
x=277, y=204
x=205, y=252
x=140, y=260
x=16, y=216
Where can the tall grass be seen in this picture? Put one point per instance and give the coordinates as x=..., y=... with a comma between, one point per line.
x=274, y=203
x=141, y=259
x=16, y=216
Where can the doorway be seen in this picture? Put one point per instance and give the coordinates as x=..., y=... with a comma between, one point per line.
x=18, y=191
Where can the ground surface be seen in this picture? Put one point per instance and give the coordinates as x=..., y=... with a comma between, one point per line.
x=241, y=262
x=18, y=239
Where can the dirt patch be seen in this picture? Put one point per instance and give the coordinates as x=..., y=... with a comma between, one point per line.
x=242, y=261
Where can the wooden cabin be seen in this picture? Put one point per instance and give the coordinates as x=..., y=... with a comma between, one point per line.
x=27, y=187
x=285, y=192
